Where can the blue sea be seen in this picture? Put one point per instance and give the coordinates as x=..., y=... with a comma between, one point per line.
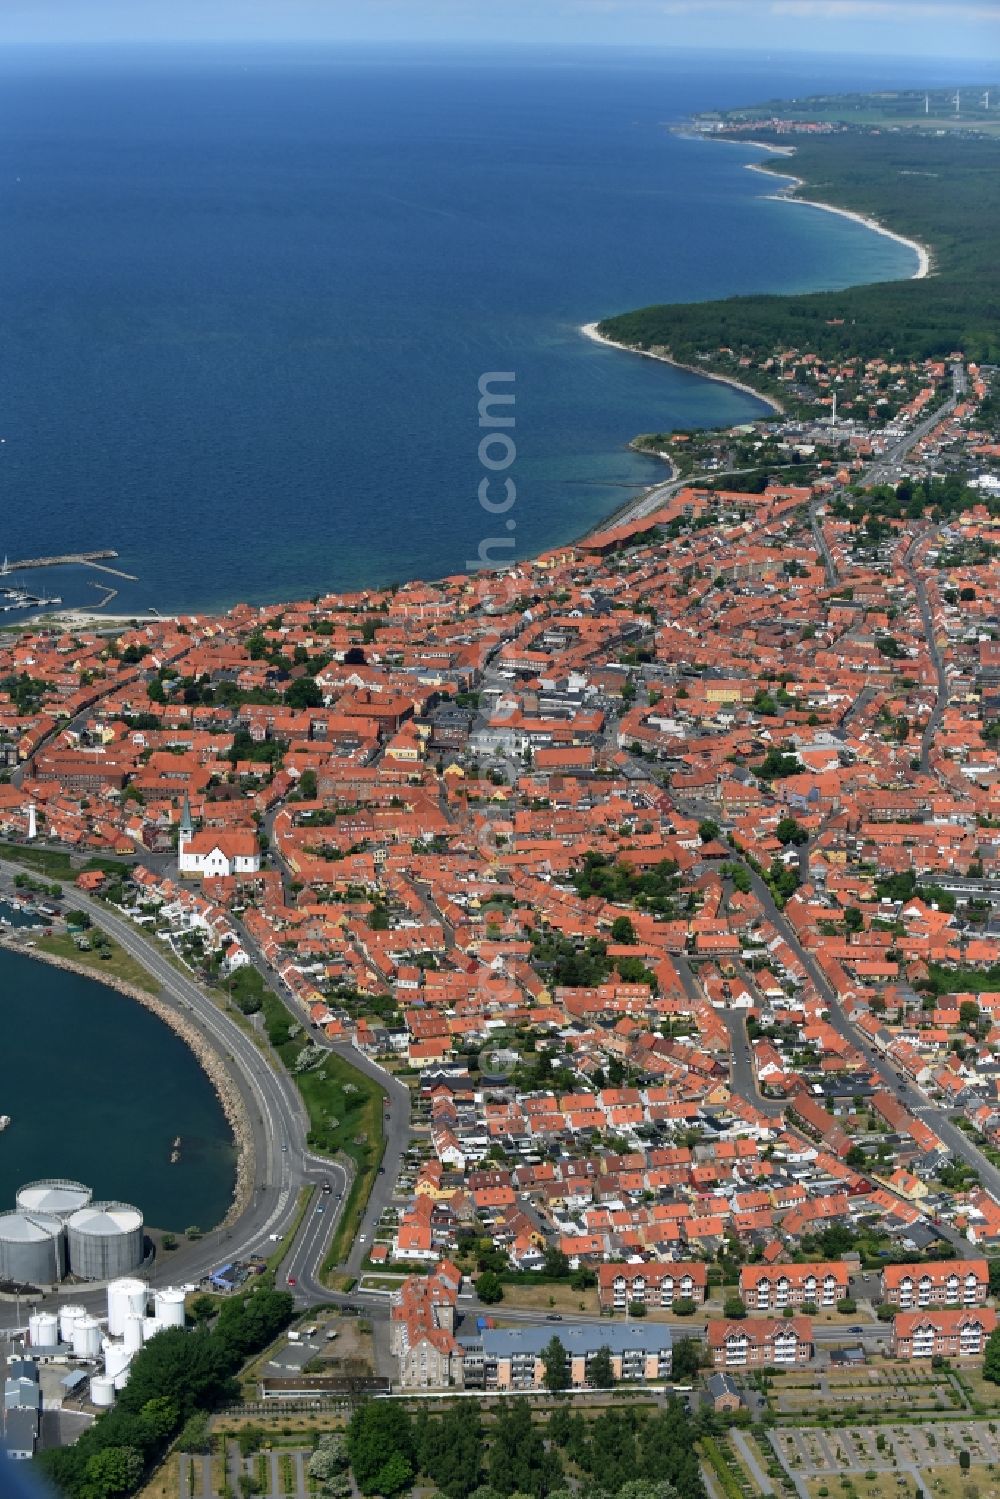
x=246, y=298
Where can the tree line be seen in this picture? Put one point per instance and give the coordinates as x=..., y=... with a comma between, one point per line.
x=177, y=1377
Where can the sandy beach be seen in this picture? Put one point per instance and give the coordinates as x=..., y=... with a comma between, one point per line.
x=590, y=330
x=789, y=194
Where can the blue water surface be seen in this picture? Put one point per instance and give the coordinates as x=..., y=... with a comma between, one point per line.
x=246, y=299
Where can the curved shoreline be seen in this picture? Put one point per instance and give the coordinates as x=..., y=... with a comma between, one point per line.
x=789, y=194
x=591, y=331
x=230, y=1098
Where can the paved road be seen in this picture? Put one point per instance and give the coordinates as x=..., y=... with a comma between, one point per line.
x=913, y=1099
x=743, y=1080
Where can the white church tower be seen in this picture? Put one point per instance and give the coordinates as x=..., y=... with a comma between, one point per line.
x=185, y=831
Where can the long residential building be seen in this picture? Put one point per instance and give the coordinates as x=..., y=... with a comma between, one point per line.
x=948, y=1332
x=936, y=1283
x=510, y=1358
x=758, y=1344
x=651, y=1285
x=773, y=1287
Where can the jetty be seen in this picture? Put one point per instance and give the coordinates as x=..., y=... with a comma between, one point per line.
x=97, y=559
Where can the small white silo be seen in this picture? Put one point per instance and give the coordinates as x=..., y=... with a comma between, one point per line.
x=115, y=1359
x=86, y=1337
x=69, y=1316
x=150, y=1327
x=170, y=1307
x=133, y=1335
x=43, y=1329
x=126, y=1298
x=102, y=1391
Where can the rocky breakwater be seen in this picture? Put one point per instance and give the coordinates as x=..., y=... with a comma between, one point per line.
x=210, y=1061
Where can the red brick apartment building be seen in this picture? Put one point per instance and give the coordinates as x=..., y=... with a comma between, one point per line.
x=765, y=1288
x=651, y=1285
x=937, y=1283
x=757, y=1345
x=950, y=1332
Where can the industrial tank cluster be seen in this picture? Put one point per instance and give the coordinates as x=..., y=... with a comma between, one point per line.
x=56, y=1229
x=111, y=1344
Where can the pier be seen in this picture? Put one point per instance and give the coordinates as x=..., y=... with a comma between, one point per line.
x=98, y=560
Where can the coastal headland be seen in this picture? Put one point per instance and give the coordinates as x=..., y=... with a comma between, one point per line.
x=938, y=196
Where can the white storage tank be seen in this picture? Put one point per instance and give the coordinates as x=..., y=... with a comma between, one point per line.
x=126, y=1298
x=115, y=1359
x=69, y=1316
x=43, y=1329
x=121, y=1379
x=150, y=1327
x=170, y=1307
x=133, y=1334
x=105, y=1240
x=102, y=1391
x=56, y=1196
x=32, y=1249
x=86, y=1337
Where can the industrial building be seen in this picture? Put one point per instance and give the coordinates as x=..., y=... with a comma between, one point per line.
x=57, y=1230
x=106, y=1345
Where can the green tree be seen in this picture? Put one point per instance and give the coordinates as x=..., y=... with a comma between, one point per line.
x=622, y=930
x=557, y=1366
x=708, y=830
x=853, y=919
x=489, y=1288
x=115, y=1470
x=991, y=1358
x=600, y=1369
x=733, y=1308
x=685, y=1359
x=380, y=1447
x=304, y=693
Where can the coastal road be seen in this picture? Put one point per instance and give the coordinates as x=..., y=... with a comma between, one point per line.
x=271, y=1105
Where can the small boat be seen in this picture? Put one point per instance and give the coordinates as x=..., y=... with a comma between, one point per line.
x=4, y=1121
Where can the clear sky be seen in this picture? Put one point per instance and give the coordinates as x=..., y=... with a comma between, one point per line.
x=935, y=28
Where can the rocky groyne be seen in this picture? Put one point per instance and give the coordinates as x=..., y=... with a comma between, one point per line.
x=210, y=1061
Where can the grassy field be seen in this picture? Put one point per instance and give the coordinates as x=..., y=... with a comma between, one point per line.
x=165, y=1482
x=558, y=1298
x=345, y=1109
x=118, y=964
x=57, y=865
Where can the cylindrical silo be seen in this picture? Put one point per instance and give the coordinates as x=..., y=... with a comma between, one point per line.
x=56, y=1195
x=133, y=1334
x=102, y=1391
x=105, y=1240
x=121, y=1378
x=150, y=1327
x=170, y=1307
x=43, y=1329
x=86, y=1337
x=115, y=1358
x=32, y=1249
x=126, y=1298
x=69, y=1316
